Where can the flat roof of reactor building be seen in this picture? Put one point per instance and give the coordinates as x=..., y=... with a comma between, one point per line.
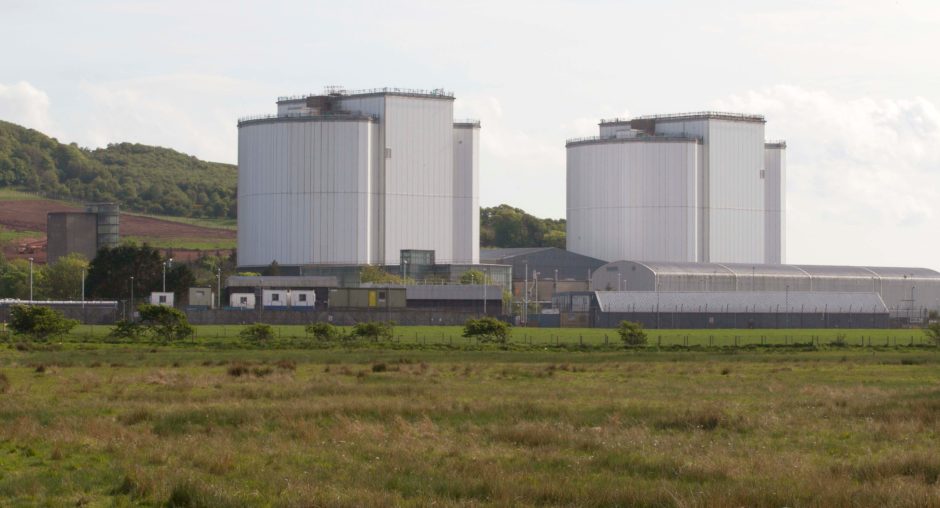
x=467, y=123
x=681, y=117
x=437, y=93
x=597, y=140
x=302, y=117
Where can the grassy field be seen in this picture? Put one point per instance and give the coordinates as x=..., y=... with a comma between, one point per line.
x=289, y=336
x=183, y=243
x=128, y=425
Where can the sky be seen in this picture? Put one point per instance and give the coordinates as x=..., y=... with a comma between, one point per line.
x=852, y=86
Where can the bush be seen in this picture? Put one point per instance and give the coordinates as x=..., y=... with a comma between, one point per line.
x=631, y=334
x=374, y=330
x=127, y=330
x=165, y=323
x=4, y=383
x=933, y=333
x=323, y=331
x=839, y=341
x=38, y=322
x=258, y=332
x=487, y=329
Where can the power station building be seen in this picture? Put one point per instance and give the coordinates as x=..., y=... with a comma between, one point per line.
x=909, y=294
x=698, y=187
x=355, y=178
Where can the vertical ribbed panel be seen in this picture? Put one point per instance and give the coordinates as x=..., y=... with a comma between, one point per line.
x=466, y=194
x=775, y=157
x=303, y=192
x=633, y=200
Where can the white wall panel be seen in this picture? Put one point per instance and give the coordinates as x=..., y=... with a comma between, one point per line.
x=303, y=192
x=466, y=226
x=633, y=200
x=775, y=157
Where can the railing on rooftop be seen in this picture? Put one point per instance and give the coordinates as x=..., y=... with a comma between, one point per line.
x=437, y=92
x=271, y=116
x=715, y=114
x=645, y=137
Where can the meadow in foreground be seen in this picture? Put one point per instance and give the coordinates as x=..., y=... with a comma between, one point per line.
x=140, y=426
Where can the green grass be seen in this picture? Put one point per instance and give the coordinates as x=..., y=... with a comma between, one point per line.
x=227, y=336
x=230, y=224
x=10, y=194
x=7, y=235
x=182, y=243
x=128, y=425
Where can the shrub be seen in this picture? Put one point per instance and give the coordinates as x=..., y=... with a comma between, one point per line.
x=933, y=333
x=379, y=367
x=165, y=323
x=258, y=332
x=374, y=330
x=323, y=331
x=632, y=334
x=839, y=341
x=4, y=383
x=238, y=370
x=127, y=330
x=38, y=322
x=487, y=329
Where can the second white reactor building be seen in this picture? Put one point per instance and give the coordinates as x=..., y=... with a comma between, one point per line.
x=354, y=178
x=698, y=187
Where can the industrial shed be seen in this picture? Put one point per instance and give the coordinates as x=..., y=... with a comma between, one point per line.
x=742, y=309
x=908, y=293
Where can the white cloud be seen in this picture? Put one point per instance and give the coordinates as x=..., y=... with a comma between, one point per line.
x=26, y=105
x=192, y=113
x=863, y=173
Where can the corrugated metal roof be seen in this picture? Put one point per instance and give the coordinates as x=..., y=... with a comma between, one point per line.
x=740, y=301
x=678, y=268
x=501, y=253
x=282, y=281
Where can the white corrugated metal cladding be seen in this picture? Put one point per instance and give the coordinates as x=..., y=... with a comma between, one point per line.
x=694, y=188
x=905, y=291
x=355, y=177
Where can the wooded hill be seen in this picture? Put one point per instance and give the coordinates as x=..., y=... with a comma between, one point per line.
x=141, y=178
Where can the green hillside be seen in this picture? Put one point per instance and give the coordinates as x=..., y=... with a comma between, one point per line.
x=141, y=178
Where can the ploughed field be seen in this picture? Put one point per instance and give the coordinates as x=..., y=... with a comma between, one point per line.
x=214, y=423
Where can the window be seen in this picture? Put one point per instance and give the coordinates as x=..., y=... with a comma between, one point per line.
x=162, y=298
x=388, y=153
x=243, y=300
x=382, y=296
x=275, y=297
x=302, y=297
x=763, y=174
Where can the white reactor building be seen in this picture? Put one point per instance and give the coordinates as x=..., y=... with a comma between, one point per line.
x=699, y=187
x=354, y=178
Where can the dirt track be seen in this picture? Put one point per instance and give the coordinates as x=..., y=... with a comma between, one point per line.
x=30, y=215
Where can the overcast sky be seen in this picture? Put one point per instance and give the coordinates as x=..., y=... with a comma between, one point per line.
x=853, y=86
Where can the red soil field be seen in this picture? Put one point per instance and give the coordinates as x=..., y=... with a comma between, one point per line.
x=30, y=215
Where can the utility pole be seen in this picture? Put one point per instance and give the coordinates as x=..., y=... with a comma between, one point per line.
x=525, y=296
x=219, y=277
x=83, y=287
x=30, y=279
x=168, y=261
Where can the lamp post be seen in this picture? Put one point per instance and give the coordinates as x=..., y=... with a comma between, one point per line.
x=218, y=275
x=165, y=263
x=405, y=270
x=30, y=279
x=83, y=287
